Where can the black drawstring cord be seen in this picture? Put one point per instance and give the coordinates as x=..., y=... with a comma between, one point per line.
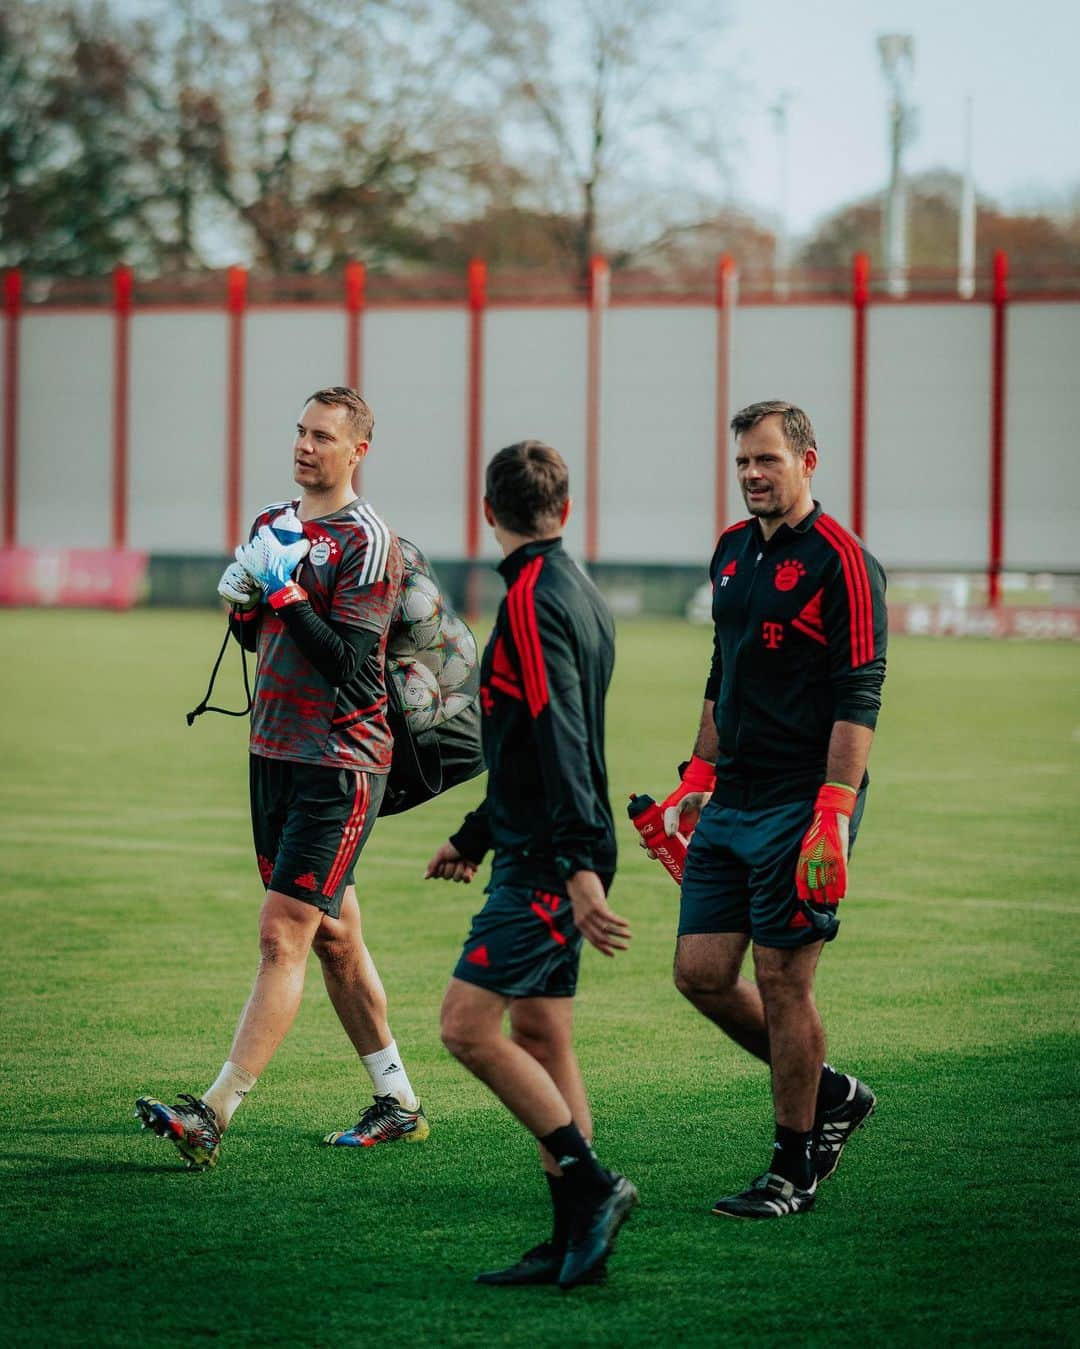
x=204, y=706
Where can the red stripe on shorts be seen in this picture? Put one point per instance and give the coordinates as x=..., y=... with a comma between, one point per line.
x=354, y=827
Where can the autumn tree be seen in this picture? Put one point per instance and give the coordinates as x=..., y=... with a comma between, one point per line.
x=592, y=94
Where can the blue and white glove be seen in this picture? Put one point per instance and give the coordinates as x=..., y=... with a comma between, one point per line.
x=237, y=586
x=271, y=563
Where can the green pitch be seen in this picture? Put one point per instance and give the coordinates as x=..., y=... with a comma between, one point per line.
x=128, y=947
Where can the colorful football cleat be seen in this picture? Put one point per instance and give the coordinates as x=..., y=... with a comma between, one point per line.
x=190, y=1125
x=384, y=1121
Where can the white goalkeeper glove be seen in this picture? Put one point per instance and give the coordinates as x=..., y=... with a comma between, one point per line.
x=239, y=587
x=271, y=564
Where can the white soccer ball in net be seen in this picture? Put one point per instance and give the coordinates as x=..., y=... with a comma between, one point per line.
x=454, y=703
x=419, y=690
x=418, y=616
x=458, y=655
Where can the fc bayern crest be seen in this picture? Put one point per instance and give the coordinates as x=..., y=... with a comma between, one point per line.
x=322, y=550
x=789, y=574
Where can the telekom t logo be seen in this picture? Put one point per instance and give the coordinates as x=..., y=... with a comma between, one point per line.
x=772, y=634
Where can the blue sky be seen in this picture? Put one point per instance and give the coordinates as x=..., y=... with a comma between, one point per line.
x=1017, y=60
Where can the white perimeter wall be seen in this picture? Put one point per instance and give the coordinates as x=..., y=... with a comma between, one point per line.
x=534, y=381
x=928, y=421
x=800, y=353
x=176, y=482
x=1042, y=436
x=65, y=431
x=928, y=434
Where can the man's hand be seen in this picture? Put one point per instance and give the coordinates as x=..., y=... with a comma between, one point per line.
x=684, y=805
x=270, y=562
x=239, y=587
x=821, y=872
x=597, y=923
x=449, y=865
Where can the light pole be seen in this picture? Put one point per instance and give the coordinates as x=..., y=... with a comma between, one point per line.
x=965, y=282
x=897, y=52
x=781, y=245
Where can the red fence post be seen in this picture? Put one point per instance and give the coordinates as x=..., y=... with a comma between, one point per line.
x=997, y=428
x=477, y=284
x=599, y=288
x=122, y=288
x=236, y=303
x=860, y=298
x=12, y=311
x=726, y=281
x=355, y=284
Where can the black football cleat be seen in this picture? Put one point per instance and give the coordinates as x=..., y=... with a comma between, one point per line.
x=541, y=1265
x=770, y=1196
x=835, y=1127
x=593, y=1231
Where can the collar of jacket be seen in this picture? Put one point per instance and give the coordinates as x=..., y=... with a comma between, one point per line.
x=803, y=527
x=509, y=567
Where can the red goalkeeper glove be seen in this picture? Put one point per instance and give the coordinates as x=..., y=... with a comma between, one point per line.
x=697, y=778
x=821, y=872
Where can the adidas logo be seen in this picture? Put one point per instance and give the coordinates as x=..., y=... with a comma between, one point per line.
x=393, y=1068
x=564, y=1162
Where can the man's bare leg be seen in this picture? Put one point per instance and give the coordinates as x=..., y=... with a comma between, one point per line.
x=795, y=1034
x=287, y=927
x=472, y=1032
x=351, y=979
x=359, y=999
x=707, y=974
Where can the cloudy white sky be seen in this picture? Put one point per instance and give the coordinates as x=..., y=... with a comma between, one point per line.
x=1018, y=61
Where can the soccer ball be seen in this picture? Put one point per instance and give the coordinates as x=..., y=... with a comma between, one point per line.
x=418, y=616
x=458, y=655
x=454, y=703
x=419, y=690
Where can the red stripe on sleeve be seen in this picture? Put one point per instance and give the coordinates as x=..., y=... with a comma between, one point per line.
x=521, y=605
x=857, y=581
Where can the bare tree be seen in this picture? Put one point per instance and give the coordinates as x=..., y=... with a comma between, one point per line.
x=595, y=101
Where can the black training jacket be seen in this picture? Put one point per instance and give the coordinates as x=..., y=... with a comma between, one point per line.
x=543, y=679
x=800, y=635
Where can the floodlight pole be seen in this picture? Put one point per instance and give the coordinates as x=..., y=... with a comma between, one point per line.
x=897, y=52
x=965, y=283
x=782, y=243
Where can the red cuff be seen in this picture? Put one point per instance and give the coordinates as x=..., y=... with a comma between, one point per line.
x=838, y=797
x=699, y=775
x=290, y=593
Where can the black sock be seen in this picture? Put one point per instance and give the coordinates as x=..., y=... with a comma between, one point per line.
x=792, y=1154
x=560, y=1209
x=833, y=1089
x=583, y=1174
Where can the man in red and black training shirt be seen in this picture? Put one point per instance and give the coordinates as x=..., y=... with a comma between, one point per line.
x=313, y=591
x=544, y=678
x=778, y=775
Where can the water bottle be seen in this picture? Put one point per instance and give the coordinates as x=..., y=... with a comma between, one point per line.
x=648, y=819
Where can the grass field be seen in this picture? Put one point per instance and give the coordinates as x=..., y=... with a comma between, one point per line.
x=129, y=902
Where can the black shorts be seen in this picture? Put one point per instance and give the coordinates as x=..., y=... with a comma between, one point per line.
x=523, y=944
x=740, y=874
x=310, y=822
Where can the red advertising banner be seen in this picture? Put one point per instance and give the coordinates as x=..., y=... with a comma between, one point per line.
x=72, y=578
x=948, y=620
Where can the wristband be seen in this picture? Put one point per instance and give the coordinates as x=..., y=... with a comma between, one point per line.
x=698, y=775
x=837, y=796
x=289, y=593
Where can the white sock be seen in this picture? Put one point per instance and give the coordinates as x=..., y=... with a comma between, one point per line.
x=388, y=1077
x=232, y=1085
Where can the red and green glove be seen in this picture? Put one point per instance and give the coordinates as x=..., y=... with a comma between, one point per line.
x=697, y=776
x=821, y=872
